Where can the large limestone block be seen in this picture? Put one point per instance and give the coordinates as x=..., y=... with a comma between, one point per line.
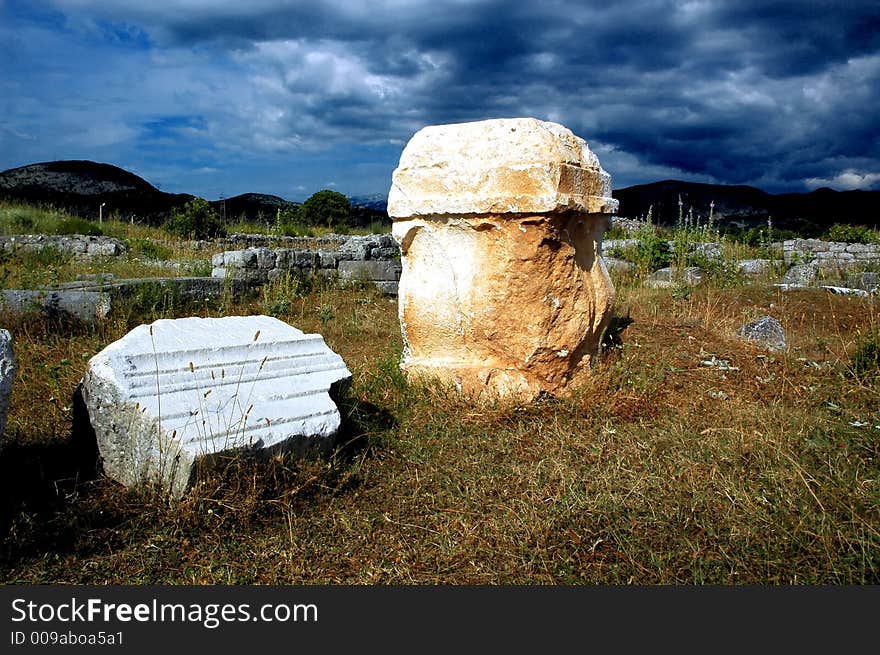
x=169, y=397
x=501, y=166
x=503, y=289
x=7, y=373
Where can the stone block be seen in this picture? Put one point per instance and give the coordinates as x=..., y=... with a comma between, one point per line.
x=666, y=278
x=103, y=249
x=217, y=260
x=612, y=244
x=88, y=306
x=385, y=253
x=502, y=166
x=388, y=288
x=282, y=258
x=867, y=280
x=7, y=374
x=169, y=398
x=385, y=241
x=304, y=259
x=801, y=275
x=863, y=248
x=356, y=247
x=246, y=258
x=754, y=267
x=500, y=226
x=765, y=331
x=265, y=258
x=328, y=258
x=369, y=271
x=618, y=265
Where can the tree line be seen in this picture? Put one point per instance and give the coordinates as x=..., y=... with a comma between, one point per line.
x=197, y=219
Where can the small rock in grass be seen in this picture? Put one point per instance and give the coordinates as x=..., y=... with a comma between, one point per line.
x=766, y=331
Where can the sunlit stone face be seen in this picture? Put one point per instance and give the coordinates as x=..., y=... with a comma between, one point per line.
x=503, y=291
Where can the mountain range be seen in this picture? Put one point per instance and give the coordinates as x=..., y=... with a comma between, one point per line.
x=745, y=206
x=80, y=187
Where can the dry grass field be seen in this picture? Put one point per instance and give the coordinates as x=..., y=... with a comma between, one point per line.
x=689, y=456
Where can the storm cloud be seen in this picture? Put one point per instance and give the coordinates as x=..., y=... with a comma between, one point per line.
x=290, y=97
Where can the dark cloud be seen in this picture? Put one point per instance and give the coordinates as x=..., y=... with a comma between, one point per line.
x=776, y=94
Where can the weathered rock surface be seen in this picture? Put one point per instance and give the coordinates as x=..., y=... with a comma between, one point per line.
x=754, y=267
x=170, y=397
x=619, y=266
x=666, y=278
x=765, y=331
x=801, y=275
x=7, y=373
x=500, y=223
x=83, y=305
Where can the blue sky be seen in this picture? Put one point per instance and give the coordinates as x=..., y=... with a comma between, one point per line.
x=226, y=97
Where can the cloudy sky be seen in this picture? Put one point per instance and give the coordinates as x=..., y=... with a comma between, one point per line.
x=221, y=97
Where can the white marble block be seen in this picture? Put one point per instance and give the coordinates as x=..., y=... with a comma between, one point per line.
x=169, y=397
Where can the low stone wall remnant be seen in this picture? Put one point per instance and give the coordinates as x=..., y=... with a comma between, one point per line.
x=372, y=259
x=831, y=256
x=80, y=246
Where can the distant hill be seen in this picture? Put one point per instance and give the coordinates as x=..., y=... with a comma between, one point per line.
x=744, y=206
x=377, y=201
x=80, y=187
x=253, y=207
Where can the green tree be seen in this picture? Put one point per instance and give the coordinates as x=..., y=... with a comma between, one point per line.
x=326, y=207
x=196, y=220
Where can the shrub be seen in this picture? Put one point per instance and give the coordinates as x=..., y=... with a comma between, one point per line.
x=378, y=227
x=295, y=230
x=22, y=220
x=852, y=234
x=651, y=251
x=616, y=232
x=149, y=249
x=78, y=226
x=326, y=207
x=866, y=359
x=196, y=220
x=276, y=296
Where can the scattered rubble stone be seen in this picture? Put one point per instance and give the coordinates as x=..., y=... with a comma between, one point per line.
x=766, y=331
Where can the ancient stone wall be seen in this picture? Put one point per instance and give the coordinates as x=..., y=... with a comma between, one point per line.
x=78, y=245
x=831, y=256
x=374, y=259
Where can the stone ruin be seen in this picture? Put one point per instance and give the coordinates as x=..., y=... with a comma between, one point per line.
x=500, y=222
x=372, y=259
x=171, y=397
